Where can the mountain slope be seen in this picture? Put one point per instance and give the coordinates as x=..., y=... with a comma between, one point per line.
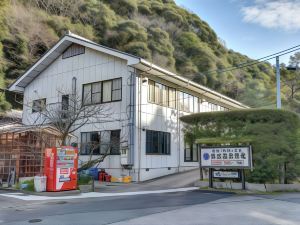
x=157, y=30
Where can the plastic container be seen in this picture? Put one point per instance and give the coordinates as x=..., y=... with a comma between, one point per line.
x=101, y=176
x=24, y=186
x=127, y=179
x=40, y=183
x=107, y=178
x=94, y=173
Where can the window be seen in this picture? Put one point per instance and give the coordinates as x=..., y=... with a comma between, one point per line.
x=65, y=102
x=73, y=50
x=107, y=91
x=161, y=94
x=115, y=142
x=214, y=107
x=96, y=93
x=102, y=92
x=158, y=142
x=172, y=98
x=38, y=105
x=90, y=143
x=196, y=105
x=104, y=142
x=190, y=153
x=158, y=93
x=151, y=91
x=116, y=90
x=186, y=102
x=64, y=106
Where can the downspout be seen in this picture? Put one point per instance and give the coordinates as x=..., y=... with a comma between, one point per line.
x=132, y=118
x=139, y=129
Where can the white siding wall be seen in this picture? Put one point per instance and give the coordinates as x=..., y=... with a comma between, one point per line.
x=89, y=67
x=159, y=118
x=95, y=66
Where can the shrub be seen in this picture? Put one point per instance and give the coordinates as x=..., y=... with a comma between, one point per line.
x=84, y=179
x=274, y=136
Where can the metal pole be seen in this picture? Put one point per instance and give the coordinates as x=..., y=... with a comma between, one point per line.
x=210, y=178
x=243, y=179
x=278, y=83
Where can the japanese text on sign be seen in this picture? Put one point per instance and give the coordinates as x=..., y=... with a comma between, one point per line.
x=226, y=157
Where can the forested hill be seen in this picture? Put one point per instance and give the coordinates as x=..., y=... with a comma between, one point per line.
x=158, y=30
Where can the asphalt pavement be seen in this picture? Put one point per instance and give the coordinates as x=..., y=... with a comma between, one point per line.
x=100, y=211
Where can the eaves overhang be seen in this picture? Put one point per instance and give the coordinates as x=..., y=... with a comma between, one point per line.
x=184, y=83
x=53, y=53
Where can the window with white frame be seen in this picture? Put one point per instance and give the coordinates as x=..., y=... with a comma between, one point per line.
x=102, y=91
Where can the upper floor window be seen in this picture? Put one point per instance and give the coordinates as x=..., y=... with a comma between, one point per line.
x=102, y=91
x=39, y=105
x=187, y=102
x=73, y=50
x=161, y=94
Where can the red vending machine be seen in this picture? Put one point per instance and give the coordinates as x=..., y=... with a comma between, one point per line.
x=60, y=167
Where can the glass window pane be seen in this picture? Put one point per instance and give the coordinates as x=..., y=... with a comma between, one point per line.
x=195, y=153
x=158, y=93
x=96, y=98
x=151, y=88
x=104, y=142
x=115, y=141
x=96, y=87
x=181, y=101
x=172, y=98
x=107, y=91
x=87, y=90
x=116, y=95
x=196, y=106
x=149, y=141
x=155, y=142
x=191, y=103
x=117, y=84
x=116, y=89
x=186, y=102
x=164, y=95
x=187, y=155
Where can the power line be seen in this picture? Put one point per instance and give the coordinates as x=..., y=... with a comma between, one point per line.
x=257, y=60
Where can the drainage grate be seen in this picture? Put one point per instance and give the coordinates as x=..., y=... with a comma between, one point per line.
x=35, y=221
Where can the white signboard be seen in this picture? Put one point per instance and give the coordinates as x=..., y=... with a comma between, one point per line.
x=226, y=157
x=226, y=174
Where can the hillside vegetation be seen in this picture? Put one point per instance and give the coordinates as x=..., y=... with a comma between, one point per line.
x=158, y=30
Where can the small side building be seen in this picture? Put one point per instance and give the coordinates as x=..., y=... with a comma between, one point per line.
x=22, y=147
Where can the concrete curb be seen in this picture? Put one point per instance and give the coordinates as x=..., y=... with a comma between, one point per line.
x=250, y=186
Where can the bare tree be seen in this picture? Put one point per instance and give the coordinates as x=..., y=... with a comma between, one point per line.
x=69, y=115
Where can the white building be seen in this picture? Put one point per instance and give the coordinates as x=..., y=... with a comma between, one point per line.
x=146, y=102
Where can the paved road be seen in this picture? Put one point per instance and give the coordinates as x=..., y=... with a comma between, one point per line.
x=182, y=208
x=100, y=210
x=178, y=180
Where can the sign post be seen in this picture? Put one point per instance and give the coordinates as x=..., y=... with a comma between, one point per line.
x=226, y=157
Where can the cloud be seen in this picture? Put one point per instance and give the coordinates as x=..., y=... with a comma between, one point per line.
x=276, y=14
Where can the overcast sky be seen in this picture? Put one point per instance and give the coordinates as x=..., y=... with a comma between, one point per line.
x=256, y=28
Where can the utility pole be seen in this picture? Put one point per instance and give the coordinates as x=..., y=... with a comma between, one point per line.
x=278, y=83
